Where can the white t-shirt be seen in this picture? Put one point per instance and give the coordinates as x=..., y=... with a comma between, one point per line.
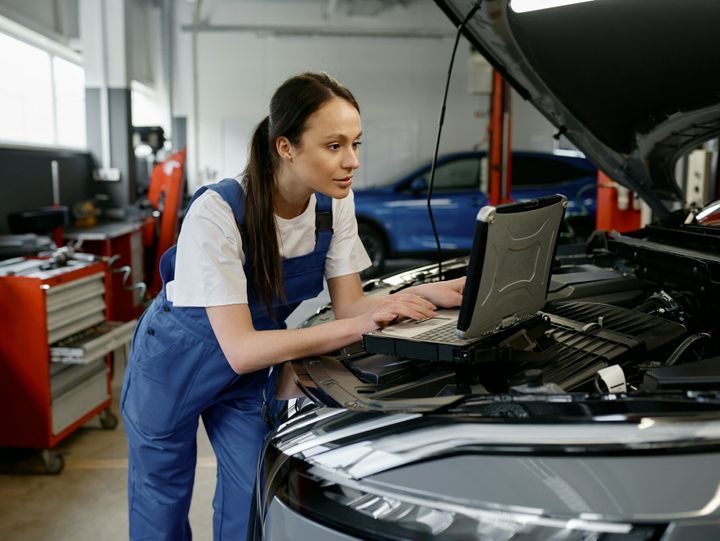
x=210, y=257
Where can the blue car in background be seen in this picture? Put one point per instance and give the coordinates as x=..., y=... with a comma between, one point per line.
x=393, y=220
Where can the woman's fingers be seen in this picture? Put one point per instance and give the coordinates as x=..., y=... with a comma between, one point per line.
x=410, y=306
x=412, y=313
x=444, y=294
x=383, y=319
x=416, y=301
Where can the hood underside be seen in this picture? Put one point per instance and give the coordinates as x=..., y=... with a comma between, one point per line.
x=632, y=83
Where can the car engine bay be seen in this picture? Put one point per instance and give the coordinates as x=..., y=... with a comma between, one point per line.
x=634, y=314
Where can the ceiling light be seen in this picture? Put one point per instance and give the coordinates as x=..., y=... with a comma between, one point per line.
x=522, y=6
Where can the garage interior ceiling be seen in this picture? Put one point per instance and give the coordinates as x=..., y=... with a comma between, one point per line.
x=368, y=9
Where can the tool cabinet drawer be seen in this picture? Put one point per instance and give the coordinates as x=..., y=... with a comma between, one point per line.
x=75, y=390
x=93, y=343
x=74, y=306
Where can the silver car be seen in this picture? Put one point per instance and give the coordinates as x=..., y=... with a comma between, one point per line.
x=600, y=418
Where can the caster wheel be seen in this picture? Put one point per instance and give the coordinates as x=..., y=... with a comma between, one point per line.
x=108, y=420
x=53, y=461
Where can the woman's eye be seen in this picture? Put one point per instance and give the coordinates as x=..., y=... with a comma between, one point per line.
x=357, y=144
x=334, y=146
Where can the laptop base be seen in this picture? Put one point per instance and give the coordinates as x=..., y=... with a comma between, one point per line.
x=493, y=347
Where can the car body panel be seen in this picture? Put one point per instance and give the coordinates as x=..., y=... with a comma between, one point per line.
x=402, y=431
x=613, y=488
x=610, y=470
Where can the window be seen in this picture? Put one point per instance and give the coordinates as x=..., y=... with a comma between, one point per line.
x=69, y=102
x=461, y=174
x=146, y=108
x=539, y=171
x=42, y=96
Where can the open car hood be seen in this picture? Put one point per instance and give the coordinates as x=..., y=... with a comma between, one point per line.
x=634, y=84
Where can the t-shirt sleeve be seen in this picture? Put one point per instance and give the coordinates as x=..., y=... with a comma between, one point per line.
x=347, y=254
x=209, y=263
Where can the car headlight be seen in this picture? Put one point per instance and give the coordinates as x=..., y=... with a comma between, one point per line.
x=366, y=510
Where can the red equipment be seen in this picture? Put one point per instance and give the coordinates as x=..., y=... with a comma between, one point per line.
x=500, y=131
x=165, y=194
x=617, y=207
x=43, y=402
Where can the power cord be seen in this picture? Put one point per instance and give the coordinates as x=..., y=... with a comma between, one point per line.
x=460, y=27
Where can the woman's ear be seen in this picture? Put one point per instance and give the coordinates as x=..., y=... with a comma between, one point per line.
x=284, y=148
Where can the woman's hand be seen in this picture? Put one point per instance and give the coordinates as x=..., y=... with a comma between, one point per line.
x=391, y=308
x=447, y=294
x=417, y=302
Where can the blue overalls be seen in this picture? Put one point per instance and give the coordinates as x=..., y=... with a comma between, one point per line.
x=177, y=373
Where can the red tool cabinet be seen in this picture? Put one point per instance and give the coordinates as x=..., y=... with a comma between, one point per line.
x=123, y=242
x=42, y=402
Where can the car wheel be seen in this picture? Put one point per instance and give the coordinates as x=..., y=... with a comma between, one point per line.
x=375, y=247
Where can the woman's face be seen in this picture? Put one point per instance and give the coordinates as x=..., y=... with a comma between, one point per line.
x=329, y=149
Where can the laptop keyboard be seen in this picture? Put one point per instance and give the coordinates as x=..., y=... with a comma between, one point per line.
x=443, y=333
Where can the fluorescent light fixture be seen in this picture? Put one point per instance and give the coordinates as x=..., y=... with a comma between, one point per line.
x=522, y=6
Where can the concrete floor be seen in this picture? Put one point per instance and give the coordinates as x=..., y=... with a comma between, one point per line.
x=88, y=500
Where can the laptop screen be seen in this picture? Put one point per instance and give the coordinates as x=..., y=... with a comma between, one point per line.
x=510, y=264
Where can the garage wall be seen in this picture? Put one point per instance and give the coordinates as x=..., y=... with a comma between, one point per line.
x=398, y=83
x=399, y=97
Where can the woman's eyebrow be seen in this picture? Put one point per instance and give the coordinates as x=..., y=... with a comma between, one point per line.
x=341, y=136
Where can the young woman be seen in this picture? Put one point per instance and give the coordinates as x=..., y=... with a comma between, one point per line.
x=249, y=252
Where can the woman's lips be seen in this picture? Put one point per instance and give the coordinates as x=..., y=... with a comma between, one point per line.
x=344, y=182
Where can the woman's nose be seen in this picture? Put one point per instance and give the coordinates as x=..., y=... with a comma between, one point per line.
x=350, y=159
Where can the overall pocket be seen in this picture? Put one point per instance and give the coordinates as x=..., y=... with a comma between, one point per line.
x=162, y=376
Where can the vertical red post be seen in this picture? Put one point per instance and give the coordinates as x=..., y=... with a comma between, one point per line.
x=500, y=130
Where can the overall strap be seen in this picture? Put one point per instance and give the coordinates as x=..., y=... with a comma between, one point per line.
x=323, y=221
x=233, y=194
x=231, y=191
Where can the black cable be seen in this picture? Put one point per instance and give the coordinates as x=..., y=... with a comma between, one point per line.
x=469, y=16
x=685, y=346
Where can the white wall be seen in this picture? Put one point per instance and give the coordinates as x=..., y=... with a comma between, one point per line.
x=397, y=81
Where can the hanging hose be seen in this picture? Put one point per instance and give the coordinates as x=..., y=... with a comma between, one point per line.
x=126, y=270
x=685, y=345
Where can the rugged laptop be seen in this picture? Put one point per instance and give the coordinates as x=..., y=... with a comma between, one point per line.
x=507, y=282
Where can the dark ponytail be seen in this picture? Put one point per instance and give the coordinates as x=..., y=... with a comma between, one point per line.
x=260, y=237
x=291, y=105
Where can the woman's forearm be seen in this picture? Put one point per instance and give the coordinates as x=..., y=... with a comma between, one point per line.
x=364, y=303
x=254, y=350
x=247, y=349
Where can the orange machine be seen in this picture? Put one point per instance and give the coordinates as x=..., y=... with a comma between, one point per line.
x=42, y=401
x=165, y=194
x=617, y=207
